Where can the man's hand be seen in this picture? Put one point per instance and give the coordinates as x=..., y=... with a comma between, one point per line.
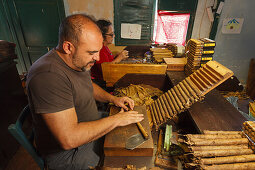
x=126, y=118
x=120, y=102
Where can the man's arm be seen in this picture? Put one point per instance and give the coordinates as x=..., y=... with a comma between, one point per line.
x=102, y=96
x=71, y=134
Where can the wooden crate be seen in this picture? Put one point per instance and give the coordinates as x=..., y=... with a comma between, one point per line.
x=175, y=64
x=113, y=72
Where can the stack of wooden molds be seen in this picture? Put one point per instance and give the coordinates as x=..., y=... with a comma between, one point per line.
x=208, y=50
x=189, y=91
x=160, y=53
x=173, y=47
x=198, y=52
x=219, y=150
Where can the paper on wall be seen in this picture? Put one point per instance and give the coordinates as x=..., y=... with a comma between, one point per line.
x=131, y=31
x=232, y=25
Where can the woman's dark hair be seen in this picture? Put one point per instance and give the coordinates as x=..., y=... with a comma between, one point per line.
x=104, y=26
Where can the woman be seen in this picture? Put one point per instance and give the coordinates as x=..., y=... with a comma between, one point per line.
x=105, y=53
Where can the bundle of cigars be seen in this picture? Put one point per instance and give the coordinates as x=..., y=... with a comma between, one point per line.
x=219, y=150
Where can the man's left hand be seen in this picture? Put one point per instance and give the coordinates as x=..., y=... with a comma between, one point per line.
x=120, y=102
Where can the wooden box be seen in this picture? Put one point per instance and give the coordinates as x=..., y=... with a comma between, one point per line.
x=113, y=72
x=175, y=64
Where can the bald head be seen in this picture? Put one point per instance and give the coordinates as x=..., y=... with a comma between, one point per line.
x=73, y=26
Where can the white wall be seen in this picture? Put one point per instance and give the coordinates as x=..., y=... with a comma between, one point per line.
x=236, y=50
x=98, y=8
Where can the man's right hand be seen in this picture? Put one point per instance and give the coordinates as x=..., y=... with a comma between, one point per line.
x=129, y=117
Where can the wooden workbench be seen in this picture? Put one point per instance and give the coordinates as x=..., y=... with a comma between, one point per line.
x=213, y=113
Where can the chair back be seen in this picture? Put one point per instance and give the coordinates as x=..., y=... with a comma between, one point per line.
x=20, y=136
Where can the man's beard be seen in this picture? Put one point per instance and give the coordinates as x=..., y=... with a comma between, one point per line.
x=77, y=63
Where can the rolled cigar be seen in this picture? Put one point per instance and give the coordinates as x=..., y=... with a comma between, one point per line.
x=208, y=71
x=164, y=100
x=170, y=103
x=220, y=136
x=162, y=110
x=149, y=116
x=155, y=112
x=215, y=142
x=221, y=132
x=179, y=95
x=177, y=99
x=194, y=87
x=201, y=88
x=236, y=166
x=228, y=159
x=206, y=148
x=173, y=100
x=205, y=80
x=158, y=111
x=187, y=92
x=153, y=115
x=160, y=142
x=200, y=80
x=142, y=130
x=209, y=77
x=186, y=98
x=229, y=152
x=163, y=106
x=191, y=91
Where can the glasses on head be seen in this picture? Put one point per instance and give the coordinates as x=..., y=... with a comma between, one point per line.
x=110, y=34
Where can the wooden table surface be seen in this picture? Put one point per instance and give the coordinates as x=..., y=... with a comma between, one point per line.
x=214, y=112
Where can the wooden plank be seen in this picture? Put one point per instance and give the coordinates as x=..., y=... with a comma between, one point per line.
x=113, y=72
x=216, y=113
x=115, y=141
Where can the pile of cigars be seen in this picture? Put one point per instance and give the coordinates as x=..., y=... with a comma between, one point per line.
x=189, y=91
x=218, y=150
x=198, y=53
x=159, y=53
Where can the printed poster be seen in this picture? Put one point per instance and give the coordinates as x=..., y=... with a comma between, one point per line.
x=232, y=25
x=131, y=31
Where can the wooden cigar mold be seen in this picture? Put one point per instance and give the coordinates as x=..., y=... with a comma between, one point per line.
x=189, y=91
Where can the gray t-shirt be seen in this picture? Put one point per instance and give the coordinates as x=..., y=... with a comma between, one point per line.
x=52, y=87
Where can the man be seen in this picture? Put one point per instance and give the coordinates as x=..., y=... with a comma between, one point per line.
x=62, y=98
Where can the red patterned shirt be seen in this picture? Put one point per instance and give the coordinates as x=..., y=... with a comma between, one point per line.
x=105, y=56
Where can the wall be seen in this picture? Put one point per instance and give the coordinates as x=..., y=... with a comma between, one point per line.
x=235, y=50
x=98, y=8
x=201, y=26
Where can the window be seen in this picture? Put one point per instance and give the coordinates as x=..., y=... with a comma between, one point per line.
x=171, y=27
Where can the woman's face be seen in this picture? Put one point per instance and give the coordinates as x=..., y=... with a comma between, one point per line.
x=109, y=35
